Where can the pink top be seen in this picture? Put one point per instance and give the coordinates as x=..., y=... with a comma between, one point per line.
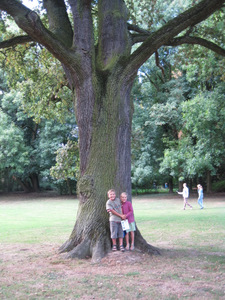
x=127, y=210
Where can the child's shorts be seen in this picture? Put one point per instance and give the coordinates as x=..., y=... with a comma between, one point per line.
x=116, y=230
x=132, y=227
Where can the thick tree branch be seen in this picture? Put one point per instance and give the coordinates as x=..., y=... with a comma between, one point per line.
x=169, y=31
x=184, y=40
x=23, y=39
x=197, y=41
x=30, y=22
x=113, y=36
x=144, y=34
x=59, y=22
x=83, y=35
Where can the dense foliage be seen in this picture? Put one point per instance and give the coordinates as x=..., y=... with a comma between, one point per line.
x=28, y=140
x=178, y=125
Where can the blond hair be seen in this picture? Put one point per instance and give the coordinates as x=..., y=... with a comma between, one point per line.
x=111, y=191
x=123, y=193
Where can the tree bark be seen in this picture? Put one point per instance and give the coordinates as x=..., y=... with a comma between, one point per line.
x=107, y=165
x=170, y=184
x=35, y=182
x=180, y=186
x=24, y=184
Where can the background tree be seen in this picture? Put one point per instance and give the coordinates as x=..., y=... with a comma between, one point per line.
x=204, y=126
x=163, y=88
x=199, y=151
x=38, y=140
x=14, y=155
x=67, y=164
x=28, y=149
x=146, y=140
x=101, y=67
x=165, y=83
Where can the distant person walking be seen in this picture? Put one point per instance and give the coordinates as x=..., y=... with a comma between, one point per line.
x=200, y=196
x=185, y=195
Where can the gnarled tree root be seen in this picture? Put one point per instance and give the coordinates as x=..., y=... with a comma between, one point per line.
x=95, y=249
x=99, y=247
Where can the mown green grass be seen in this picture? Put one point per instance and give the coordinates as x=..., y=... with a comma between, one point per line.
x=37, y=220
x=159, y=220
x=163, y=220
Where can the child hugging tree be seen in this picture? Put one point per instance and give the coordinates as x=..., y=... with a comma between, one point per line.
x=113, y=207
x=127, y=210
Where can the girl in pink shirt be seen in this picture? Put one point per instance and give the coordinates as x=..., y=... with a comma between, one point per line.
x=127, y=210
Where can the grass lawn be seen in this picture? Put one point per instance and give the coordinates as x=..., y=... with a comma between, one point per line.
x=37, y=220
x=192, y=242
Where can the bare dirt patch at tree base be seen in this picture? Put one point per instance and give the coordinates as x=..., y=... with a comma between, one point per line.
x=39, y=272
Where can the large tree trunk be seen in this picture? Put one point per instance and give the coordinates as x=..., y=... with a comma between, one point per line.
x=106, y=164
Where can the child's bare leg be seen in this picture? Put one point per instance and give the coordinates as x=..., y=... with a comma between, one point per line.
x=127, y=241
x=132, y=237
x=132, y=240
x=121, y=241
